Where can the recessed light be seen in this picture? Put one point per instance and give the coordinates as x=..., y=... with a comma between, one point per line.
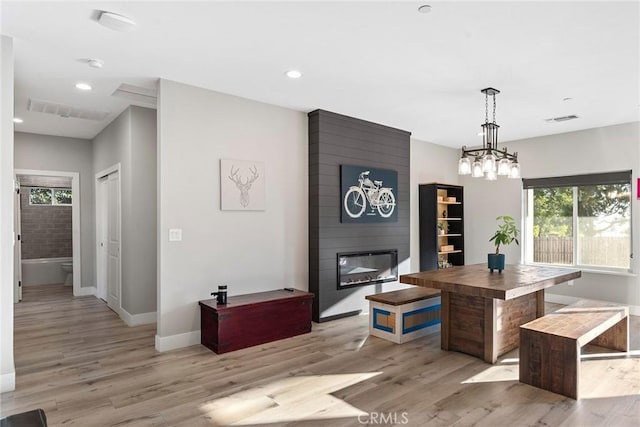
x=293, y=74
x=425, y=8
x=17, y=120
x=83, y=86
x=116, y=22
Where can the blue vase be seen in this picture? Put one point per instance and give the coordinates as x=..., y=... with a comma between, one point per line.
x=496, y=262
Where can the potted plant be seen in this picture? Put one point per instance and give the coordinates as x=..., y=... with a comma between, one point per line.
x=506, y=233
x=442, y=227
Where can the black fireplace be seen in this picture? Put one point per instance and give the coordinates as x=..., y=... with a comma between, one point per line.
x=367, y=268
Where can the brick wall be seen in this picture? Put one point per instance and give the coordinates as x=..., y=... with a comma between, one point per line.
x=46, y=230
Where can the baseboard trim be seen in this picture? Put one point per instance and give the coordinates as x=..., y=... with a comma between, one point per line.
x=138, y=319
x=338, y=316
x=560, y=299
x=173, y=342
x=565, y=299
x=8, y=382
x=84, y=291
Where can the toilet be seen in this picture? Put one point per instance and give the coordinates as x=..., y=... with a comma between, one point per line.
x=67, y=267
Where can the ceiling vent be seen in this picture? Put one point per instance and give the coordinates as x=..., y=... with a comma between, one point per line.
x=48, y=107
x=137, y=94
x=562, y=118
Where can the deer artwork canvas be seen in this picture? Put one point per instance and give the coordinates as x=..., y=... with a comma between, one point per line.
x=242, y=185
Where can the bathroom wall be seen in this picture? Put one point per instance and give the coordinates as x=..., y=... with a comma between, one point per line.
x=45, y=230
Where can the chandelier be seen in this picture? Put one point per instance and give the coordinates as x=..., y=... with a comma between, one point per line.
x=489, y=161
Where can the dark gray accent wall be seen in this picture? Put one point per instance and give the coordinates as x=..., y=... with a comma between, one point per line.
x=336, y=140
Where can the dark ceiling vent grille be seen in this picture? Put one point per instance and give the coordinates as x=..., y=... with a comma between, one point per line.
x=562, y=118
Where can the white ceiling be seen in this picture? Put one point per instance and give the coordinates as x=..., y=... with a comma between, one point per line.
x=379, y=61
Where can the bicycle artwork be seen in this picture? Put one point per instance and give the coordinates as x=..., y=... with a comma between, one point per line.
x=372, y=199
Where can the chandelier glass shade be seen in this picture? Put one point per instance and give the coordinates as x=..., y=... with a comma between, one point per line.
x=489, y=161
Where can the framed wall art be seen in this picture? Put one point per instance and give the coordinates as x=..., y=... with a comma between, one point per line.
x=368, y=194
x=242, y=185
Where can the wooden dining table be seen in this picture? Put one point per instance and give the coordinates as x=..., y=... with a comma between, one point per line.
x=481, y=312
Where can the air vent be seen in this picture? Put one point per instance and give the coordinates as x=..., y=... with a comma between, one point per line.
x=562, y=118
x=49, y=107
x=137, y=94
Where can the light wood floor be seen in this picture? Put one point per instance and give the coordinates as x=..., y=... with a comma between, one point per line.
x=82, y=365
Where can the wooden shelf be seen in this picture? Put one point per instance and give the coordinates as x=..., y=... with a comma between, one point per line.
x=441, y=204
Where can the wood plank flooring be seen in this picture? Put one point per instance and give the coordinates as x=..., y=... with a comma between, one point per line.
x=80, y=363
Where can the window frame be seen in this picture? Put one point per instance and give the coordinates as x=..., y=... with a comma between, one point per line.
x=574, y=183
x=54, y=201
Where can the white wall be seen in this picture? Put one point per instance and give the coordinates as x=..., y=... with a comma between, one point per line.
x=249, y=251
x=7, y=368
x=611, y=148
x=131, y=141
x=141, y=292
x=430, y=163
x=56, y=153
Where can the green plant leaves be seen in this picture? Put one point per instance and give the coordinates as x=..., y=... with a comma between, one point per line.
x=506, y=233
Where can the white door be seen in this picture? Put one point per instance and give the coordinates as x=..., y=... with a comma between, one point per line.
x=102, y=225
x=113, y=242
x=17, y=248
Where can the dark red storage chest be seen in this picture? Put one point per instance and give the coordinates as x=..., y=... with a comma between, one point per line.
x=252, y=319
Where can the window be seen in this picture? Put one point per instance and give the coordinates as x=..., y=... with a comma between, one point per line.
x=582, y=220
x=50, y=196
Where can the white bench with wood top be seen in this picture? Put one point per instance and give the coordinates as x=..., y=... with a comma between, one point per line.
x=550, y=345
x=404, y=315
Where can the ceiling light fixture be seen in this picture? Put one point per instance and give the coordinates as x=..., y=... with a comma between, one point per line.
x=293, y=74
x=116, y=22
x=95, y=63
x=489, y=161
x=17, y=120
x=83, y=86
x=425, y=8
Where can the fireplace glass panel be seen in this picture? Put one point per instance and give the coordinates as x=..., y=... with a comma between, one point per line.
x=366, y=268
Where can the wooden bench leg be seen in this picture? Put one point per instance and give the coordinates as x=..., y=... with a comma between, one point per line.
x=550, y=362
x=616, y=337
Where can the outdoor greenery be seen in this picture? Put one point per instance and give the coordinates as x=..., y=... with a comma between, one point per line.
x=50, y=196
x=553, y=208
x=40, y=196
x=506, y=233
x=62, y=196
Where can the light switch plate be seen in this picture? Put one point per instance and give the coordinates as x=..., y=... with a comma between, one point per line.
x=175, y=234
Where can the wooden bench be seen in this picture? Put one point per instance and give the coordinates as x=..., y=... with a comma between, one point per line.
x=404, y=315
x=550, y=345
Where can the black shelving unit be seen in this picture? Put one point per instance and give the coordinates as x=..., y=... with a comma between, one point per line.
x=437, y=206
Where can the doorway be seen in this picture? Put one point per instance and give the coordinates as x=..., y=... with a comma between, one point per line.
x=108, y=237
x=74, y=177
